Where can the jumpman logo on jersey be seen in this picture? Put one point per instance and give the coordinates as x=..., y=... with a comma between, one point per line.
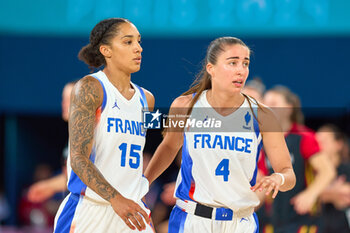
x=205, y=119
x=242, y=219
x=116, y=105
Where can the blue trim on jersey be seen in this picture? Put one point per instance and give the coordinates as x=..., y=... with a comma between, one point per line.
x=183, y=189
x=143, y=98
x=253, y=181
x=145, y=204
x=75, y=185
x=257, y=133
x=104, y=93
x=177, y=220
x=255, y=122
x=65, y=219
x=256, y=222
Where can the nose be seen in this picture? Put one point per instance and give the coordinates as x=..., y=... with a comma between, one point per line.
x=241, y=69
x=138, y=48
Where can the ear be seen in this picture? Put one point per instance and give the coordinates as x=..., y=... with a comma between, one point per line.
x=106, y=51
x=210, y=68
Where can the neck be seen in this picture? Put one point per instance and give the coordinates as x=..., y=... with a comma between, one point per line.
x=222, y=100
x=118, y=78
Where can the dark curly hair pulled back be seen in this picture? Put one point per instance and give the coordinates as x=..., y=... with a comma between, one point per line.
x=102, y=33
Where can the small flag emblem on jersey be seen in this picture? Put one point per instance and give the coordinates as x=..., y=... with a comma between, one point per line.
x=247, y=119
x=152, y=119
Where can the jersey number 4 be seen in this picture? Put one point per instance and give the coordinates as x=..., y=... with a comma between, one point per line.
x=223, y=169
x=134, y=158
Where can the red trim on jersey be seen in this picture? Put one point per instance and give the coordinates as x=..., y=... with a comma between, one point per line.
x=98, y=115
x=193, y=186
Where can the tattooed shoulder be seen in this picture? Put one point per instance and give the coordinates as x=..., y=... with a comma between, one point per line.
x=88, y=92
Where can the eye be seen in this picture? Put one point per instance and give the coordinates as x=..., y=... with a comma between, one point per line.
x=140, y=41
x=246, y=64
x=128, y=42
x=233, y=63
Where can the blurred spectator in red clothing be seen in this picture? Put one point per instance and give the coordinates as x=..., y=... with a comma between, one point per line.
x=298, y=208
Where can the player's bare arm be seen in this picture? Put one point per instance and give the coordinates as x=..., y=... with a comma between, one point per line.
x=278, y=154
x=172, y=142
x=86, y=97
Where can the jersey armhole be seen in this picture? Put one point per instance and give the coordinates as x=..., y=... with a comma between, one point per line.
x=255, y=121
x=143, y=98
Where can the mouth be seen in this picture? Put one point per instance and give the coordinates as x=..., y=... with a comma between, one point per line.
x=238, y=82
x=137, y=59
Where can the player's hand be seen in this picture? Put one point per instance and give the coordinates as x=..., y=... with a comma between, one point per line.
x=268, y=184
x=40, y=191
x=303, y=202
x=131, y=213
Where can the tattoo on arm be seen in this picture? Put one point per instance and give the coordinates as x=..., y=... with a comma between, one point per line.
x=86, y=98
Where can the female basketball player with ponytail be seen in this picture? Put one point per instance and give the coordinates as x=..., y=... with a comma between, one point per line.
x=106, y=137
x=216, y=185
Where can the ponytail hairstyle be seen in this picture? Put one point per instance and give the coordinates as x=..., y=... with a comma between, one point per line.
x=101, y=34
x=291, y=98
x=203, y=78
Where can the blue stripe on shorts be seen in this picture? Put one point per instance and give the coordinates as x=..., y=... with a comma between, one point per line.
x=177, y=220
x=65, y=219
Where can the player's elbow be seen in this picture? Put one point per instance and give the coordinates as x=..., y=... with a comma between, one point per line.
x=77, y=162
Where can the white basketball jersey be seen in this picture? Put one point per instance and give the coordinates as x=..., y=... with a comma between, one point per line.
x=219, y=165
x=118, y=144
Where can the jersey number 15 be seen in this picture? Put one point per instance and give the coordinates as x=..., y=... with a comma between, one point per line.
x=134, y=157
